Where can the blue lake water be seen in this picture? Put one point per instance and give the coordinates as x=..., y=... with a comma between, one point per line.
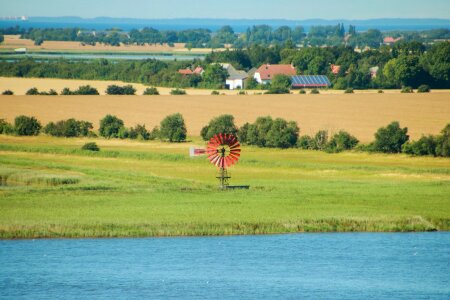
x=315, y=266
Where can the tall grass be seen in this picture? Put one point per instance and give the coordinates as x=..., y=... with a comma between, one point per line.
x=155, y=189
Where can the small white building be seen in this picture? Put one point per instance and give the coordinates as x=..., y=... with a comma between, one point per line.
x=236, y=78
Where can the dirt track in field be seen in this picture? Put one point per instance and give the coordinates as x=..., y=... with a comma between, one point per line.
x=360, y=114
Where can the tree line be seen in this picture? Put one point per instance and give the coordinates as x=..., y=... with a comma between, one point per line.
x=265, y=132
x=264, y=35
x=403, y=64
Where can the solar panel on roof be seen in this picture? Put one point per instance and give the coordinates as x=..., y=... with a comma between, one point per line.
x=310, y=81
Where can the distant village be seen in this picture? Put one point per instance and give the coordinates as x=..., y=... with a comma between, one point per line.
x=264, y=74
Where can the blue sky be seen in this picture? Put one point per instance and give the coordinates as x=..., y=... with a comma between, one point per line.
x=234, y=9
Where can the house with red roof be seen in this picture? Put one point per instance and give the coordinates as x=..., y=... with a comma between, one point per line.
x=188, y=71
x=266, y=72
x=185, y=72
x=335, y=69
x=389, y=40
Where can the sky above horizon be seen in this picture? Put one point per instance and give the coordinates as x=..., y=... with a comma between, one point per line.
x=230, y=9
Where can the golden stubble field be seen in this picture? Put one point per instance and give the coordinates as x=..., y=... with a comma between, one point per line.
x=12, y=42
x=360, y=114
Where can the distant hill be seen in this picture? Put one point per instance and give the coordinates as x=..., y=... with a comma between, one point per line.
x=239, y=25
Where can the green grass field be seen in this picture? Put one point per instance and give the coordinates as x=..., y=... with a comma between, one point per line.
x=51, y=188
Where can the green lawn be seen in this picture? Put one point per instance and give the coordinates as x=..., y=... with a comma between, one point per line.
x=53, y=189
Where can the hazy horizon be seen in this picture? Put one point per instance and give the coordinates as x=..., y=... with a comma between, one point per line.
x=234, y=9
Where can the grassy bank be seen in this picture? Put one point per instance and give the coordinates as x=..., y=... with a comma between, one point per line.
x=50, y=188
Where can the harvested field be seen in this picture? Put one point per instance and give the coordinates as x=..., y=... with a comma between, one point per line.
x=361, y=114
x=14, y=41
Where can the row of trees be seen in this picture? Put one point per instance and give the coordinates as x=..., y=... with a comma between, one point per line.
x=405, y=64
x=256, y=35
x=264, y=132
x=88, y=90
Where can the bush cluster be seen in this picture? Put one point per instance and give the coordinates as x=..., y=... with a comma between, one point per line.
x=120, y=90
x=34, y=91
x=82, y=90
x=26, y=126
x=430, y=145
x=8, y=93
x=220, y=124
x=172, y=129
x=177, y=92
x=151, y=91
x=339, y=142
x=267, y=132
x=69, y=128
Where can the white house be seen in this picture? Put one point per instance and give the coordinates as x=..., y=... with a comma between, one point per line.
x=235, y=78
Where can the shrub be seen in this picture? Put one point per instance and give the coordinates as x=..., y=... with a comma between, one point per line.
x=380, y=92
x=220, y=124
x=305, y=142
x=90, y=147
x=68, y=128
x=215, y=93
x=242, y=93
x=151, y=91
x=32, y=91
x=8, y=93
x=123, y=133
x=282, y=134
x=426, y=145
x=349, y=91
x=266, y=132
x=120, y=90
x=341, y=141
x=257, y=132
x=176, y=92
x=277, y=90
x=173, y=128
x=391, y=138
x=26, y=126
x=155, y=134
x=423, y=88
x=86, y=90
x=302, y=91
x=314, y=91
x=320, y=140
x=110, y=126
x=35, y=91
x=139, y=132
x=5, y=127
x=407, y=90
x=243, y=132
x=443, y=142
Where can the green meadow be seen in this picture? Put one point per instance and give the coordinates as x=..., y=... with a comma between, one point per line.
x=50, y=188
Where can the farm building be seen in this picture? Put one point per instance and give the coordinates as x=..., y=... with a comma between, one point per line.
x=310, y=81
x=236, y=78
x=266, y=72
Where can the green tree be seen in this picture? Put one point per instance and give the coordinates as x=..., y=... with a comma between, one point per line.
x=173, y=128
x=437, y=62
x=282, y=134
x=27, y=126
x=220, y=124
x=151, y=91
x=341, y=141
x=391, y=138
x=110, y=126
x=443, y=142
x=257, y=132
x=215, y=75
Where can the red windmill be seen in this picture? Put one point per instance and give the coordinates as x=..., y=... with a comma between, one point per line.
x=223, y=151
